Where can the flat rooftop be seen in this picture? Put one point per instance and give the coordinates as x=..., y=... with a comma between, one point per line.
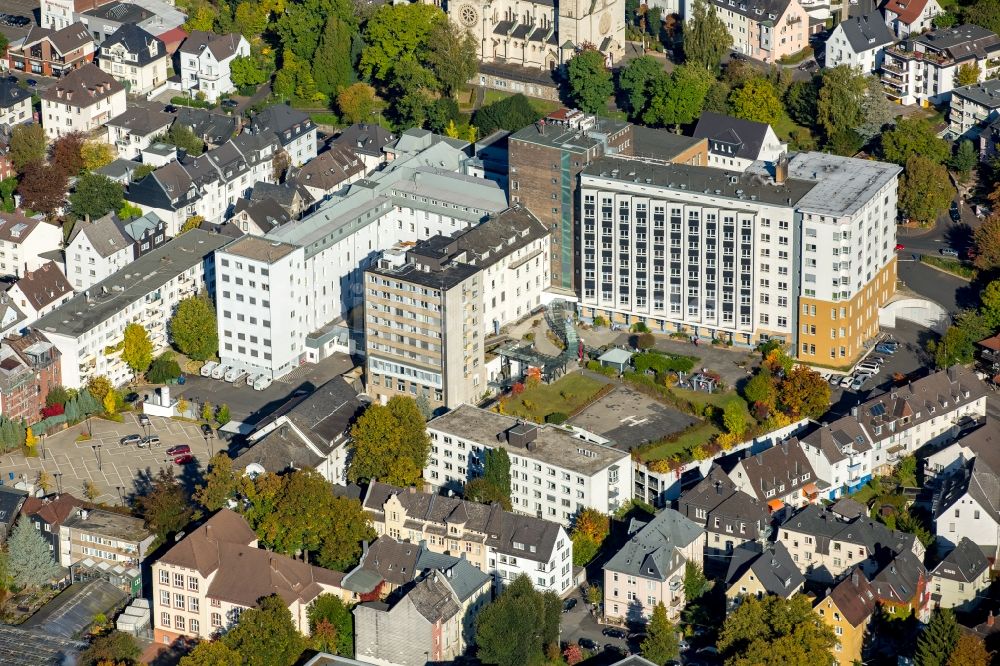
x=21, y=647
x=630, y=418
x=443, y=278
x=750, y=188
x=569, y=138
x=554, y=445
x=259, y=249
x=661, y=144
x=143, y=276
x=110, y=524
x=841, y=185
x=985, y=94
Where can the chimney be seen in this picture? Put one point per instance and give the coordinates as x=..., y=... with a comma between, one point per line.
x=413, y=490
x=781, y=170
x=990, y=620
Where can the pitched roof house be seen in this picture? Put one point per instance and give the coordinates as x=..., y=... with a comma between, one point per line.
x=205, y=58
x=136, y=58
x=859, y=41
x=756, y=571
x=961, y=578
x=736, y=143
x=730, y=516
x=329, y=172
x=910, y=17
x=52, y=52
x=82, y=101
x=968, y=505
x=903, y=586
x=48, y=513
x=779, y=476
x=849, y=608
x=40, y=291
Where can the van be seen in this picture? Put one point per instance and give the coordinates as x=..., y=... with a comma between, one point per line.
x=251, y=378
x=232, y=374
x=206, y=370
x=261, y=383
x=220, y=371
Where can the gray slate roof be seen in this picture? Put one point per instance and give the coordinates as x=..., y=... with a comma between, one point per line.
x=142, y=120
x=137, y=41
x=12, y=94
x=106, y=234
x=985, y=94
x=652, y=551
x=365, y=139
x=868, y=32
x=825, y=527
x=981, y=483
x=964, y=564
x=774, y=568
x=745, y=136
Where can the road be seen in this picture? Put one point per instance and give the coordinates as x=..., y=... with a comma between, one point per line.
x=952, y=293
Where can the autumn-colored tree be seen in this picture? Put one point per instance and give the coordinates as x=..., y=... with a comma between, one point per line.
x=90, y=490
x=192, y=222
x=357, y=103
x=969, y=651
x=96, y=154
x=987, y=238
x=27, y=145
x=573, y=654
x=804, y=393
x=593, y=523
x=42, y=187
x=44, y=481
x=67, y=153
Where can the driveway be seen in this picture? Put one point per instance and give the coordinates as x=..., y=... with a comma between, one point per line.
x=105, y=462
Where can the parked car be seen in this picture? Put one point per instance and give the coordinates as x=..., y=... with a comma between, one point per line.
x=143, y=419
x=949, y=251
x=129, y=439
x=179, y=450
x=206, y=430
x=31, y=83
x=868, y=368
x=683, y=645
x=569, y=605
x=611, y=648
x=588, y=644
x=834, y=380
x=220, y=371
x=954, y=212
x=885, y=348
x=251, y=378
x=185, y=459
x=230, y=103
x=149, y=440
x=132, y=397
x=615, y=633
x=846, y=381
x=859, y=381
x=208, y=368
x=900, y=246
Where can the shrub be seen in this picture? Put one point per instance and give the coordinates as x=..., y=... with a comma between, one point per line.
x=600, y=321
x=640, y=327
x=645, y=341
x=52, y=410
x=197, y=103
x=556, y=418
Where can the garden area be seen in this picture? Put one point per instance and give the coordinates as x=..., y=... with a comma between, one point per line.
x=553, y=402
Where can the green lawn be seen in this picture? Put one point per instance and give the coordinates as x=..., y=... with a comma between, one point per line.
x=688, y=440
x=785, y=126
x=542, y=106
x=717, y=399
x=565, y=395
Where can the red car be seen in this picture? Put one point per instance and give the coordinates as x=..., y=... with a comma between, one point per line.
x=179, y=450
x=900, y=246
x=185, y=459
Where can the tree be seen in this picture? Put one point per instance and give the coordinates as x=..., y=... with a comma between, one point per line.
x=494, y=486
x=387, y=434
x=985, y=13
x=757, y=100
x=57, y=395
x=968, y=74
x=266, y=636
x=695, y=583
x=965, y=159
x=166, y=507
x=849, y=101
x=969, y=651
x=660, y=644
x=774, y=631
x=250, y=19
x=96, y=154
x=202, y=18
x=519, y=611
x=938, y=639
x=511, y=114
x=635, y=80
x=706, y=38
x=246, y=72
x=987, y=238
x=990, y=304
x=137, y=351
x=876, y=111
x=804, y=393
x=357, y=103
x=27, y=145
x=801, y=99
x=207, y=411
x=44, y=481
x=734, y=417
x=761, y=389
x=338, y=634
x=334, y=52
x=191, y=223
x=96, y=195
x=193, y=328
x=67, y=153
x=924, y=190
x=212, y=653
x=452, y=55
x=114, y=647
x=90, y=491
x=99, y=386
x=592, y=523
x=220, y=483
x=677, y=97
x=30, y=564
x=393, y=33
x=163, y=369
x=42, y=187
x=590, y=82
x=914, y=136
x=184, y=139
x=222, y=416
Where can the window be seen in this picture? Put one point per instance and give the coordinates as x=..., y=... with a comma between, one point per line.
x=165, y=620
x=164, y=576
x=179, y=601
x=193, y=603
x=179, y=622
x=178, y=580
x=192, y=583
x=164, y=598
x=195, y=626
x=216, y=620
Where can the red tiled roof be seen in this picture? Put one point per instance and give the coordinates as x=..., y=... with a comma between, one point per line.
x=52, y=510
x=907, y=10
x=991, y=343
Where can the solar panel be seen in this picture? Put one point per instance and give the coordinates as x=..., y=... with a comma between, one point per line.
x=878, y=409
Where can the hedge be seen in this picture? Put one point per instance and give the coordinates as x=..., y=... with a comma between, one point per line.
x=187, y=101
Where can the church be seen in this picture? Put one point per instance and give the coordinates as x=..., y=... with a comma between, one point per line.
x=541, y=34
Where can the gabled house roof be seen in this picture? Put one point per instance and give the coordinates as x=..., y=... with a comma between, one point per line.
x=43, y=286
x=281, y=120
x=12, y=94
x=718, y=495
x=964, y=564
x=868, y=32
x=825, y=527
x=653, y=549
x=854, y=597
x=328, y=170
x=83, y=87
x=11, y=501
x=900, y=581
x=908, y=11
x=16, y=227
x=215, y=128
x=53, y=509
x=977, y=480
x=221, y=46
x=365, y=139
x=783, y=464
x=142, y=120
x=772, y=567
x=135, y=40
x=744, y=137
x=64, y=41
x=106, y=235
x=266, y=213
x=755, y=10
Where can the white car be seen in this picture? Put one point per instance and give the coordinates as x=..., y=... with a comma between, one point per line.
x=846, y=381
x=220, y=371
x=232, y=374
x=206, y=370
x=261, y=383
x=868, y=368
x=859, y=381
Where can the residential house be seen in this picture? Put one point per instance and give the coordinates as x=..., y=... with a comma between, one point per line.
x=134, y=131
x=973, y=108
x=313, y=433
x=757, y=571
x=48, y=513
x=94, y=543
x=87, y=329
x=840, y=455
x=212, y=128
x=961, y=579
x=329, y=172
x=39, y=292
x=859, y=41
x=12, y=320
x=294, y=129
x=52, y=53
x=902, y=587
x=97, y=249
x=779, y=477
x=501, y=543
x=11, y=501
x=136, y=58
x=989, y=147
x=649, y=568
x=910, y=17
x=967, y=504
x=259, y=218
x=367, y=141
x=825, y=546
x=82, y=101
x=982, y=441
x=923, y=70
x=767, y=30
x=735, y=143
x=294, y=200
x=555, y=472
x=431, y=620
x=29, y=369
x=205, y=581
x=15, y=104
x=107, y=19
x=23, y=241
x=204, y=62
x=848, y=608
x=56, y=14
x=731, y=517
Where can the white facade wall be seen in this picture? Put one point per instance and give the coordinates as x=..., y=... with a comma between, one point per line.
x=967, y=518
x=771, y=149
x=21, y=257
x=925, y=21
x=203, y=73
x=62, y=117
x=138, y=80
x=840, y=52
x=130, y=145
x=958, y=593
x=85, y=267
x=556, y=575
x=17, y=113
x=513, y=286
x=57, y=14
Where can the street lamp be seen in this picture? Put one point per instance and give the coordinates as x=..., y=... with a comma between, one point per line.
x=121, y=497
x=207, y=444
x=97, y=452
x=42, y=445
x=58, y=476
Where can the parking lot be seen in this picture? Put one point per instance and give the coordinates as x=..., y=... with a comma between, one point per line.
x=108, y=464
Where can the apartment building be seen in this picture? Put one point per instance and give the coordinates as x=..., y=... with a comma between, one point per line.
x=974, y=107
x=40, y=291
x=135, y=58
x=731, y=518
x=910, y=17
x=983, y=441
x=766, y=30
x=15, y=104
x=756, y=571
x=329, y=173
x=29, y=368
x=87, y=329
x=824, y=546
x=57, y=14
x=962, y=578
x=967, y=504
x=367, y=142
x=848, y=608
x=841, y=456
x=23, y=240
x=205, y=59
x=649, y=568
x=103, y=536
x=52, y=53
x=294, y=129
x=205, y=581
x=780, y=477
x=545, y=161
x=47, y=515
x=501, y=543
x=922, y=70
x=555, y=472
x=99, y=248
x=82, y=101
x=736, y=143
x=859, y=42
